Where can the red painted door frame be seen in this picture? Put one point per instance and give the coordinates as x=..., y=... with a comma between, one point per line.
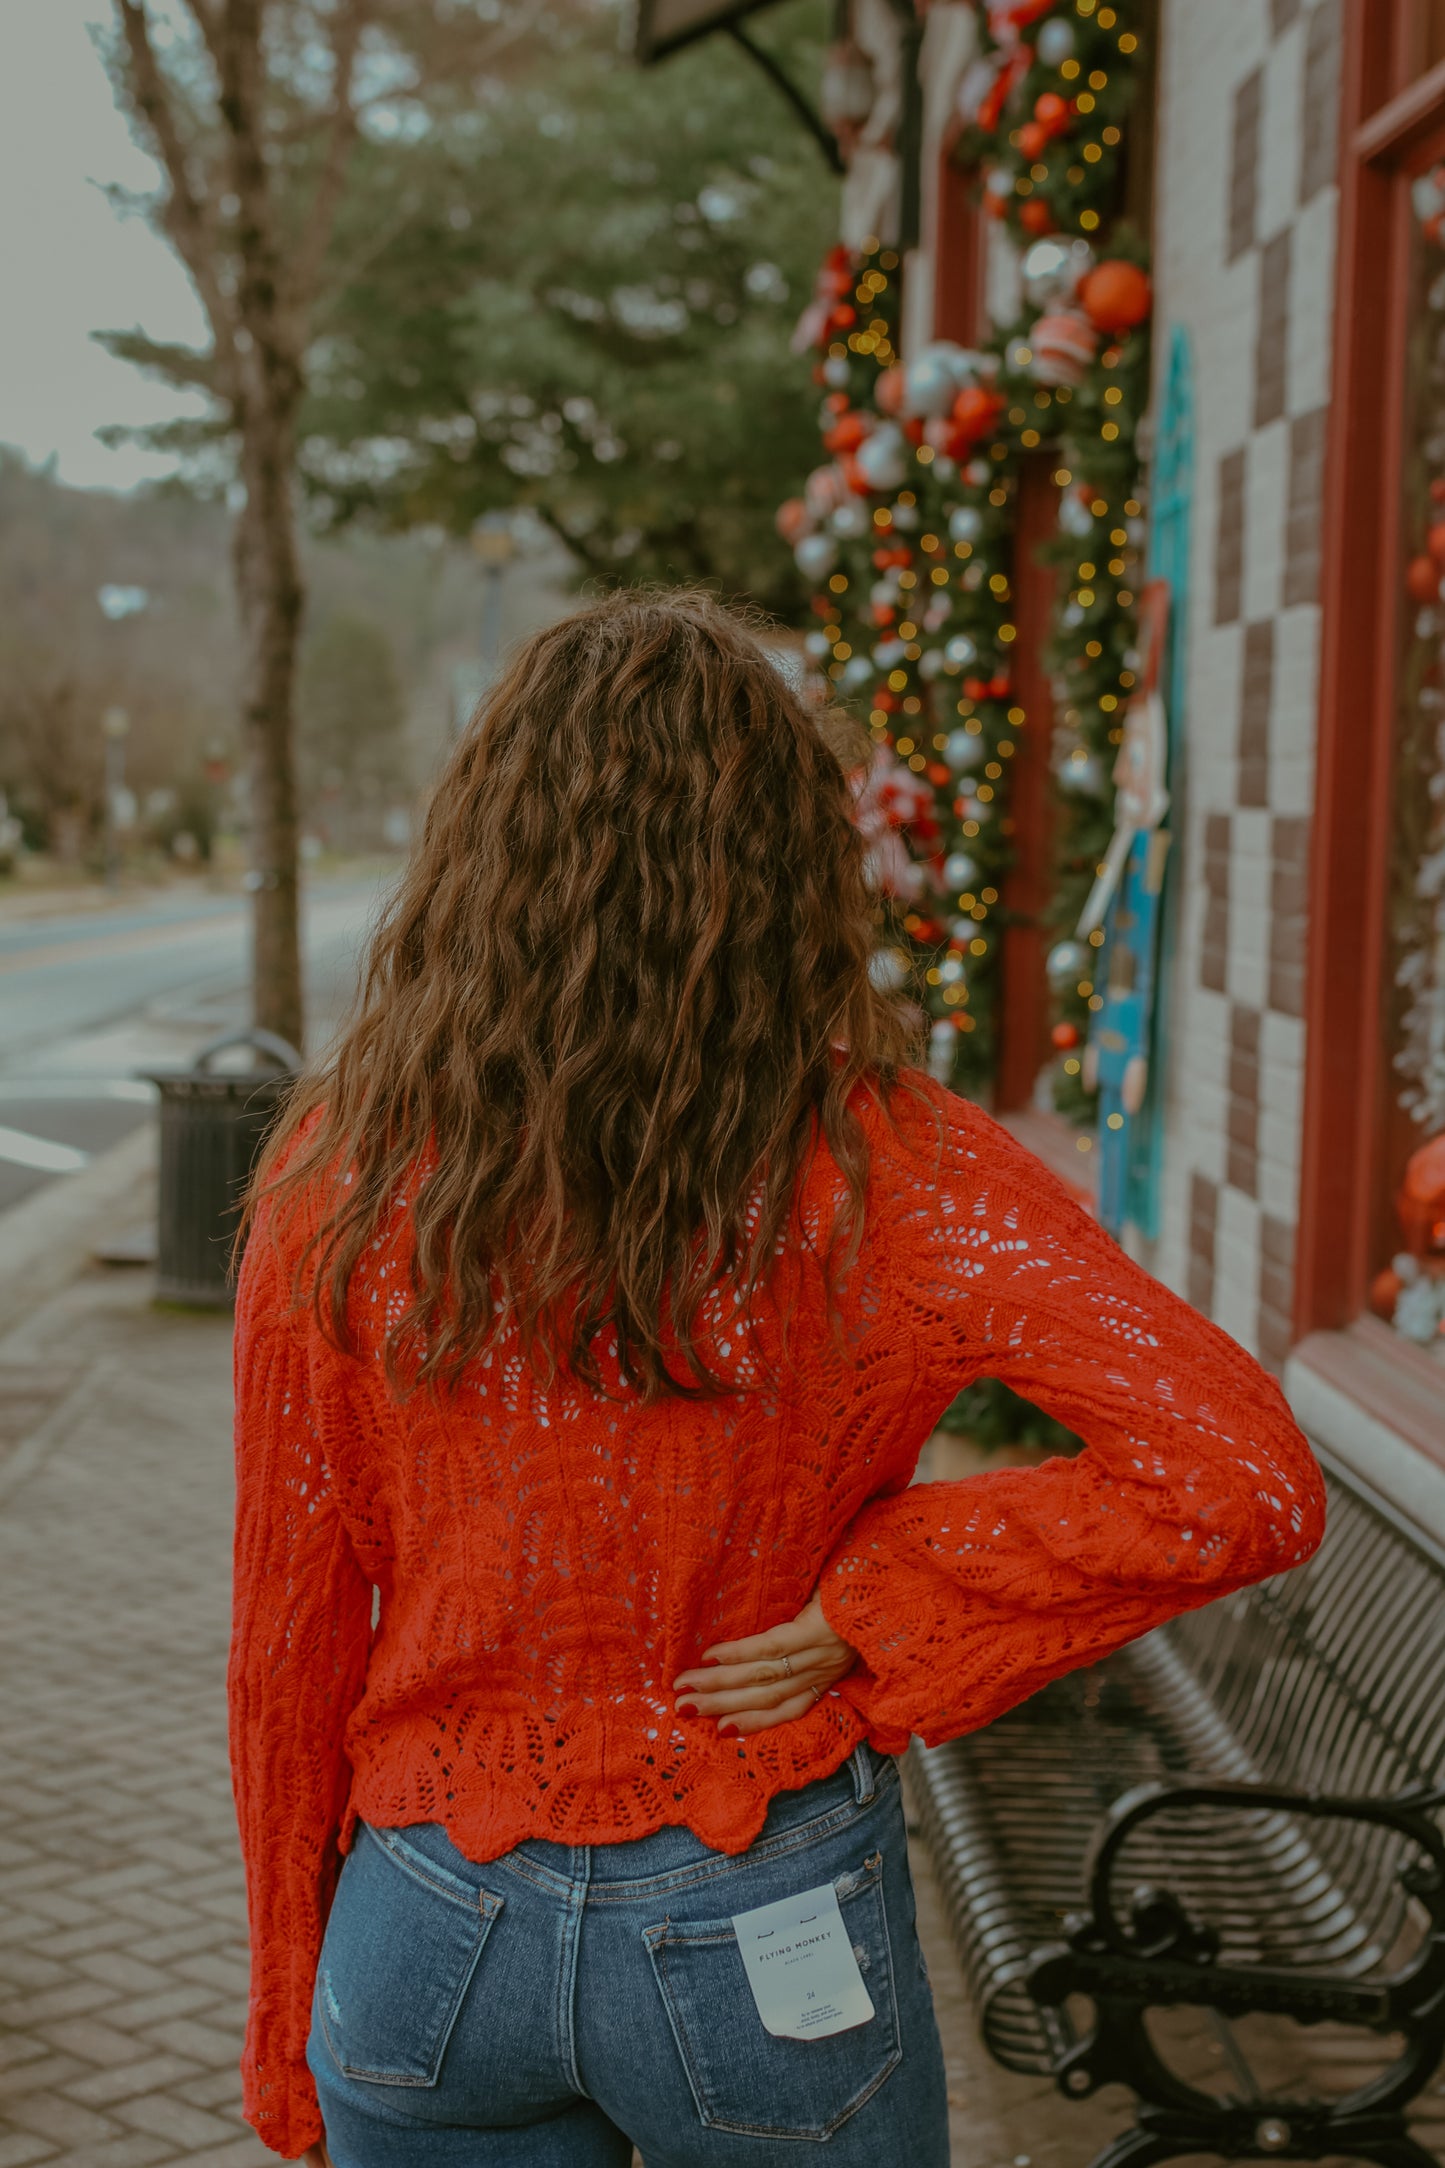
x=960, y=254
x=1341, y=1174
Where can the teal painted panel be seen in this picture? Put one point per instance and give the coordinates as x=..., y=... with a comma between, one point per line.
x=1171, y=519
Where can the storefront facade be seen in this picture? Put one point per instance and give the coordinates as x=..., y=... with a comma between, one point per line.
x=1282, y=174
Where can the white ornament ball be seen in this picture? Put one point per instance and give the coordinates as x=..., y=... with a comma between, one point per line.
x=905, y=517
x=1066, y=964
x=964, y=751
x=857, y=671
x=1055, y=41
x=931, y=380
x=851, y=521
x=944, y=468
x=961, y=651
x=883, y=593
x=1046, y=272
x=1083, y=773
x=959, y=870
x=1417, y=1313
x=889, y=653
x=978, y=473
x=966, y=523
x=815, y=556
x=1075, y=517
x=950, y=971
x=835, y=373
x=930, y=662
x=1000, y=182
x=818, y=645
x=928, y=389
x=887, y=968
x=882, y=459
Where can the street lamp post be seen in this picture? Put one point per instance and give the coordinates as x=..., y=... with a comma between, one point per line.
x=117, y=602
x=115, y=725
x=494, y=545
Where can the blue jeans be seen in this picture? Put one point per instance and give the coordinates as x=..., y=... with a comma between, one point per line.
x=559, y=2005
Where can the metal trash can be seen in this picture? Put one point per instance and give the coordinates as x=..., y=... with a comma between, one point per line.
x=212, y=1129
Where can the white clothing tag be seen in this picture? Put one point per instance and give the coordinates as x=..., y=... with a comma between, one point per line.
x=801, y=1968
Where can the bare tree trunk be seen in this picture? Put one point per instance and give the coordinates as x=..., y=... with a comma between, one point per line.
x=272, y=597
x=257, y=292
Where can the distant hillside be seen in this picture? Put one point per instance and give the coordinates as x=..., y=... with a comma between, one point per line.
x=416, y=602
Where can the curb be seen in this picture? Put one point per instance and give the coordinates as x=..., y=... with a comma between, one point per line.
x=48, y=1238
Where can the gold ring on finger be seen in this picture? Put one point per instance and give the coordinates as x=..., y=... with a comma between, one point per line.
x=817, y=1696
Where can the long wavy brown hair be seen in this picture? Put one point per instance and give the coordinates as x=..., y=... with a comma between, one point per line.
x=619, y=997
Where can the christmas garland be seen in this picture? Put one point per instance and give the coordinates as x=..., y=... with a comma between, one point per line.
x=908, y=530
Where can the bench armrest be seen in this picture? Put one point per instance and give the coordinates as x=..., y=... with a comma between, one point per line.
x=1411, y=1813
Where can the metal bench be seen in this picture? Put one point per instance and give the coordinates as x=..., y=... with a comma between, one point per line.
x=1238, y=1813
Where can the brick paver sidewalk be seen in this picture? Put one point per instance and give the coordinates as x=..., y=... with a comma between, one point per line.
x=122, y=1945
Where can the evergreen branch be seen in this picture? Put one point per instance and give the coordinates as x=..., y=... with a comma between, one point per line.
x=187, y=365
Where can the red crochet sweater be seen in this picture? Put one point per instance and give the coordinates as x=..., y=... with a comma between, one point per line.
x=548, y=1560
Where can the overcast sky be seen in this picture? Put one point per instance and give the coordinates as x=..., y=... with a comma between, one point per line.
x=67, y=264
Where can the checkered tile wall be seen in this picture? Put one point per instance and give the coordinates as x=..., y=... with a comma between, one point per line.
x=1245, y=238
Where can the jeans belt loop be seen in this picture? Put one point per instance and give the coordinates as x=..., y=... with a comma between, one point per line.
x=865, y=1783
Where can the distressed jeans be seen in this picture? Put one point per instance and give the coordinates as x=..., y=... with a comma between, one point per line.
x=561, y=2004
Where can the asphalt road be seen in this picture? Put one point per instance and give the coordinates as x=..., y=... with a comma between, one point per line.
x=90, y=1001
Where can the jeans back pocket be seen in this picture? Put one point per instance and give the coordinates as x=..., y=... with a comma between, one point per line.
x=401, y=1945
x=745, y=2079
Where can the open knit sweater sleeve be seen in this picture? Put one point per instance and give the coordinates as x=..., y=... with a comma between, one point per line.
x=964, y=1598
x=301, y=1629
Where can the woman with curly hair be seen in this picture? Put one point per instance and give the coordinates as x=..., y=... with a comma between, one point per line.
x=601, y=1289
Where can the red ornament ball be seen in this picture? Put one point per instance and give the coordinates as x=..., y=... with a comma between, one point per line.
x=888, y=391
x=1033, y=140
x=975, y=411
x=1435, y=541
x=1064, y=1036
x=848, y=432
x=793, y=520
x=1036, y=217
x=1385, y=1293
x=1422, y=579
x=1116, y=296
x=1052, y=112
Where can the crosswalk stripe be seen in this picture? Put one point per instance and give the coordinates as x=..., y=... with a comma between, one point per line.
x=22, y=1150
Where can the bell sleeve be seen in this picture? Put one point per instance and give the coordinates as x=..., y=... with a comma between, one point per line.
x=964, y=1598
x=301, y=1630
